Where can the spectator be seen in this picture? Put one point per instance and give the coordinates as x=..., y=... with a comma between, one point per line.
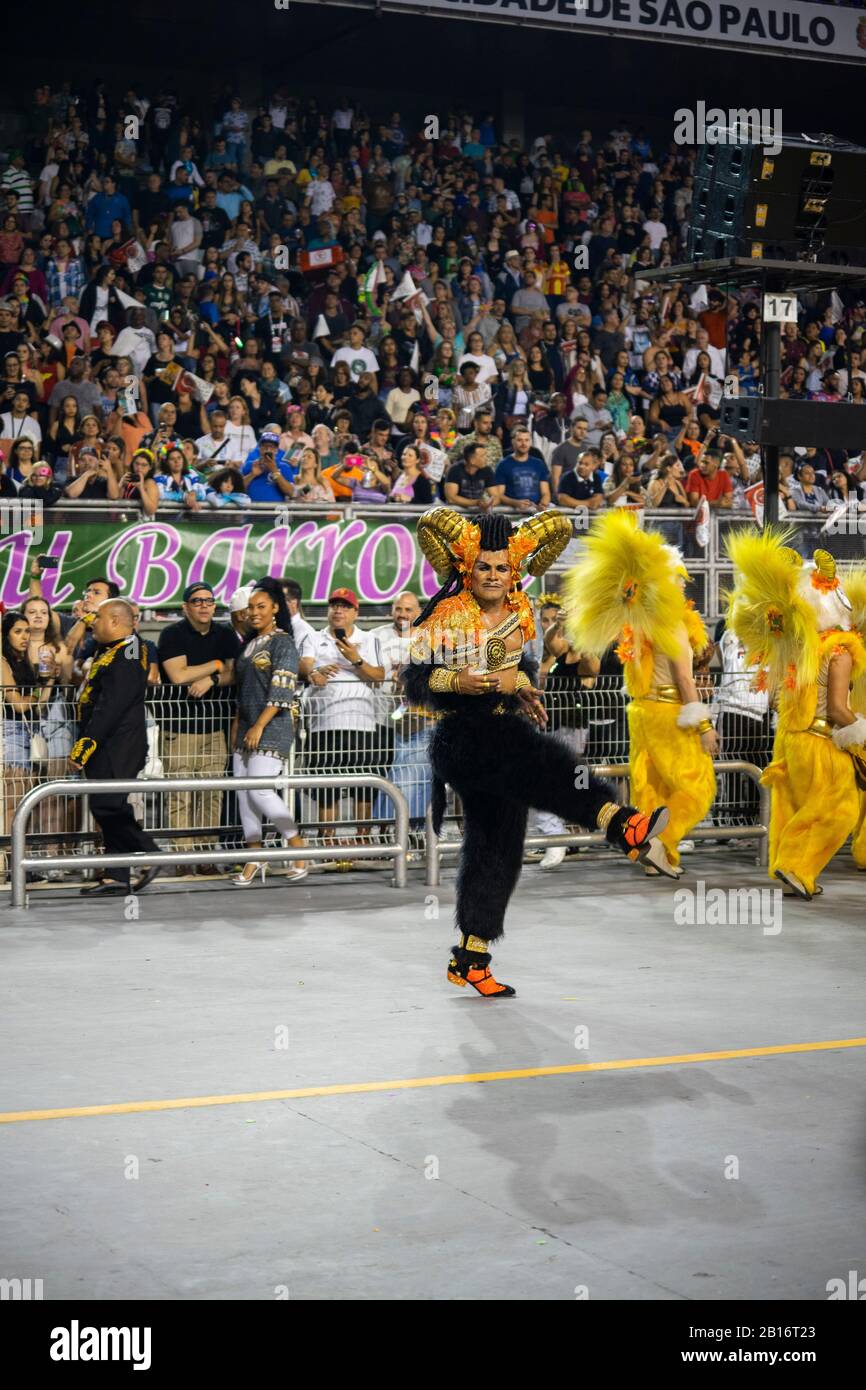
x=268, y=478
x=262, y=731
x=176, y=481
x=197, y=656
x=581, y=486
x=404, y=731
x=341, y=708
x=25, y=694
x=709, y=480
x=565, y=456
x=93, y=478
x=18, y=422
x=227, y=489
x=310, y=485
x=666, y=488
x=412, y=486
x=469, y=394
x=40, y=486
x=805, y=494
x=470, y=482
x=522, y=481
x=623, y=488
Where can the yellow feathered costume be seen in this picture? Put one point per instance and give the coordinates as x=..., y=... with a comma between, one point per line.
x=626, y=588
x=793, y=619
x=854, y=581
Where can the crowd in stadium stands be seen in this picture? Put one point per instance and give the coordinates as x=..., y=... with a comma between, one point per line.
x=304, y=304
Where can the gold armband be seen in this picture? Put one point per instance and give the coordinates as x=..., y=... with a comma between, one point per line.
x=82, y=750
x=444, y=682
x=705, y=726
x=523, y=682
x=606, y=814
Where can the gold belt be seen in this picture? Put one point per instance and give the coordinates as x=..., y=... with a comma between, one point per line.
x=665, y=694
x=822, y=727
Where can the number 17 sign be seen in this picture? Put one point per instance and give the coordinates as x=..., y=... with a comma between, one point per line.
x=780, y=308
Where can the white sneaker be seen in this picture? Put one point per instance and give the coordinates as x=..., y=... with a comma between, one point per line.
x=553, y=857
x=686, y=846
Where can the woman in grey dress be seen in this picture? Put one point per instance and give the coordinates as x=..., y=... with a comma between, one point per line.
x=263, y=728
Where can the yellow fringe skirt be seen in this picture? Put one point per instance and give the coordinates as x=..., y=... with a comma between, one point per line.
x=668, y=768
x=815, y=803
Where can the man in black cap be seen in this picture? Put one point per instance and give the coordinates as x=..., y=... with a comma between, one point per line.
x=112, y=742
x=197, y=656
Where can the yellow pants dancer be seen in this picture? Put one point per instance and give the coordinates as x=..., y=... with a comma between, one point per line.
x=669, y=767
x=816, y=805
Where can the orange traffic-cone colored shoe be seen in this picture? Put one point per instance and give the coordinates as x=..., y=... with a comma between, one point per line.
x=636, y=834
x=472, y=967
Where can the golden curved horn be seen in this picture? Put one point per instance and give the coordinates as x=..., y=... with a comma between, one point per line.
x=437, y=530
x=551, y=531
x=825, y=564
x=792, y=556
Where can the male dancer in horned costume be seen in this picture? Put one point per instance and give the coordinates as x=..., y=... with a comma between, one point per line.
x=628, y=587
x=795, y=622
x=467, y=661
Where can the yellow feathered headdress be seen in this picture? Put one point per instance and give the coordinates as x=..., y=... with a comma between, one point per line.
x=624, y=585
x=770, y=610
x=854, y=580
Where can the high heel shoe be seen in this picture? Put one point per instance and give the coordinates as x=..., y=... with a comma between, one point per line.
x=243, y=880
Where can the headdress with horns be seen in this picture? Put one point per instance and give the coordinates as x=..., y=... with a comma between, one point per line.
x=452, y=543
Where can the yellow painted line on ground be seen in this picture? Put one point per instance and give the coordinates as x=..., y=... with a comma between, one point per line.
x=414, y=1083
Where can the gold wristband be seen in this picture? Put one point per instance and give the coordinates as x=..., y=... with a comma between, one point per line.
x=523, y=682
x=444, y=682
x=705, y=726
x=606, y=814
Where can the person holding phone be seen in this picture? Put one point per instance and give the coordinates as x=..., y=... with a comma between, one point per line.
x=95, y=479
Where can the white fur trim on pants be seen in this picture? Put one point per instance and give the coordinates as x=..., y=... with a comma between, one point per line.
x=257, y=807
x=851, y=735
x=693, y=714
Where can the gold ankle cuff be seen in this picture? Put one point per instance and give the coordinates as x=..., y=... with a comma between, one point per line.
x=606, y=814
x=474, y=943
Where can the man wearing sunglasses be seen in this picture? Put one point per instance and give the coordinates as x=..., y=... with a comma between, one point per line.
x=197, y=656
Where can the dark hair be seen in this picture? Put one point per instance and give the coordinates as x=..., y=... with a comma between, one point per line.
x=113, y=589
x=20, y=666
x=233, y=474
x=473, y=449
x=274, y=590
x=292, y=589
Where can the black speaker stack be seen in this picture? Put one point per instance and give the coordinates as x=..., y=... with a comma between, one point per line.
x=808, y=202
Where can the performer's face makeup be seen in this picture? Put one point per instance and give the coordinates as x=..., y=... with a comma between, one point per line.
x=491, y=575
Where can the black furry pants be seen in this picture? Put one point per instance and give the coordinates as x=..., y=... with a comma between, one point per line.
x=499, y=766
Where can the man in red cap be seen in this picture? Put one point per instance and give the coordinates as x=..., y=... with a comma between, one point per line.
x=342, y=706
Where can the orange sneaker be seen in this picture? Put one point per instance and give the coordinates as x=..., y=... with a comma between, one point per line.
x=631, y=831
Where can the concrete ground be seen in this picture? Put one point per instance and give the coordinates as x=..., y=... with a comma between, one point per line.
x=695, y=1179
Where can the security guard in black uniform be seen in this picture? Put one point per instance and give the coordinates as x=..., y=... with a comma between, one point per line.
x=112, y=739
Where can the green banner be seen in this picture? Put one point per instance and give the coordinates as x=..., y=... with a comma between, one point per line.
x=153, y=561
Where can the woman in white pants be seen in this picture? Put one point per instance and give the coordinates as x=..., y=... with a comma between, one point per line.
x=263, y=728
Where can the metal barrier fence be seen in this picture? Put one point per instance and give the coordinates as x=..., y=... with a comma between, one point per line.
x=21, y=862
x=344, y=731
x=759, y=830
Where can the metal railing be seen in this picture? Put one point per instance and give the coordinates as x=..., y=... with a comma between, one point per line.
x=188, y=747
x=760, y=831
x=21, y=862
